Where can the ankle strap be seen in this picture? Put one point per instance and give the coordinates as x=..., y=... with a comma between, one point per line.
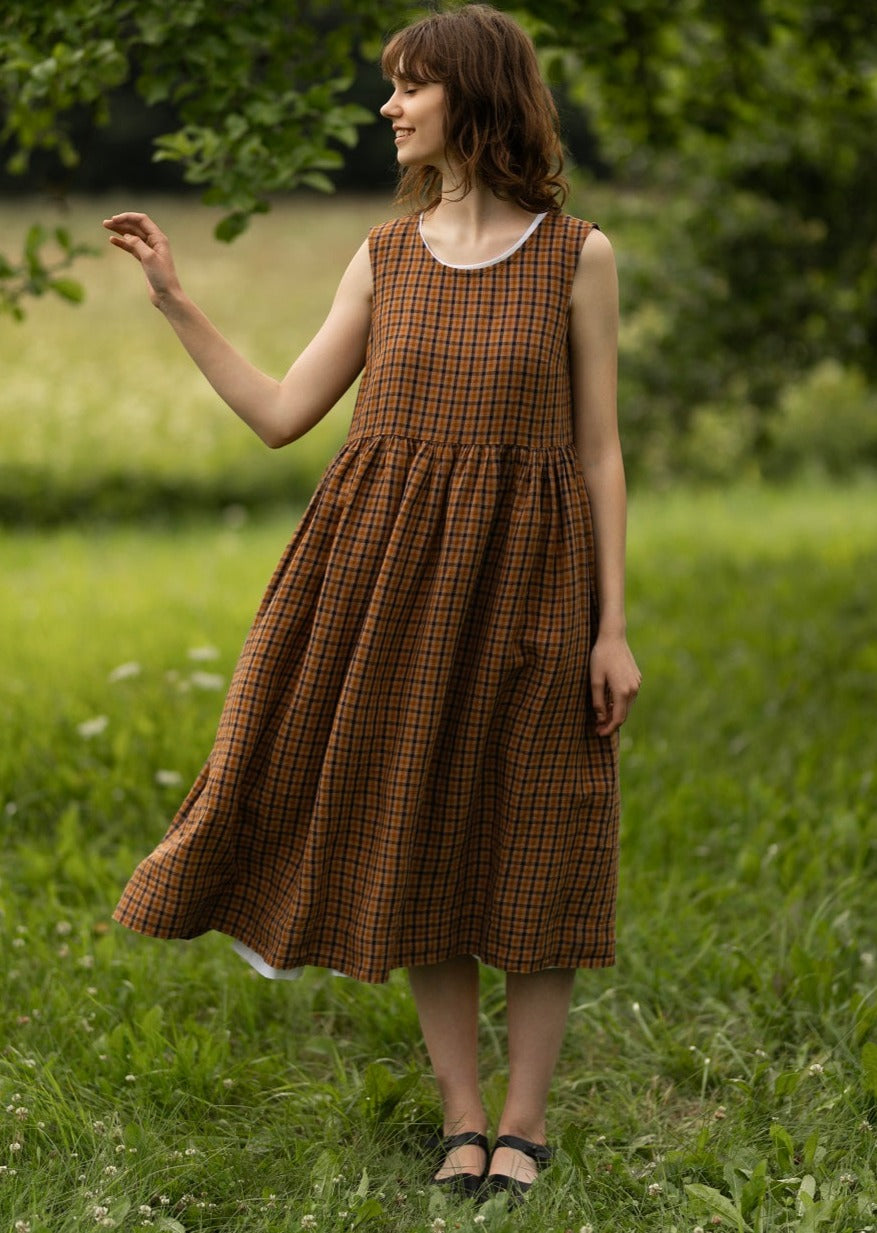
x=541, y=1153
x=467, y=1138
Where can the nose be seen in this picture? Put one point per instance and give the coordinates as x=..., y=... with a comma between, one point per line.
x=391, y=107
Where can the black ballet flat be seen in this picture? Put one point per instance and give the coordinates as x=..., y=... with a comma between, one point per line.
x=499, y=1183
x=467, y=1185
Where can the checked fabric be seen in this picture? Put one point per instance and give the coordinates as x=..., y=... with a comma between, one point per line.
x=406, y=767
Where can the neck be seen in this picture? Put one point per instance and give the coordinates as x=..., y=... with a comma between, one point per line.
x=477, y=211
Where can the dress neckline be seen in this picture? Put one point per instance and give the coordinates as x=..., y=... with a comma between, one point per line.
x=480, y=265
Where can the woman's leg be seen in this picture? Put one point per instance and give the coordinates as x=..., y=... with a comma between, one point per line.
x=538, y=1006
x=446, y=996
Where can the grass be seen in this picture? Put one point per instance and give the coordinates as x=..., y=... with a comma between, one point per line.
x=107, y=416
x=104, y=414
x=723, y=1075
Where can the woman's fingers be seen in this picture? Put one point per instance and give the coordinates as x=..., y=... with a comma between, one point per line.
x=140, y=226
x=613, y=700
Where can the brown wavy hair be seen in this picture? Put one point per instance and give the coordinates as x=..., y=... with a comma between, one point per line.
x=501, y=124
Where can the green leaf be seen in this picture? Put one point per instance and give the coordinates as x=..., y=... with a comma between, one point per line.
x=869, y=1068
x=717, y=1203
x=68, y=289
x=786, y=1083
x=754, y=1190
x=230, y=227
x=371, y=1209
x=35, y=238
x=783, y=1147
x=317, y=180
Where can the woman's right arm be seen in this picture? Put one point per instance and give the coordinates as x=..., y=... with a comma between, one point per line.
x=277, y=411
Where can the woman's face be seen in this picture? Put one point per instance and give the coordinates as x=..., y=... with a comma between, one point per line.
x=417, y=113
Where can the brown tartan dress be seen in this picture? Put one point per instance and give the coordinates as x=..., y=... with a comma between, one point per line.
x=406, y=768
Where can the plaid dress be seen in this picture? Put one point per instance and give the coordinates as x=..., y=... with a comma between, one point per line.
x=406, y=768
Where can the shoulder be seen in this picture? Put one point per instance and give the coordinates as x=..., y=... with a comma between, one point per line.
x=576, y=237
x=595, y=265
x=597, y=251
x=392, y=229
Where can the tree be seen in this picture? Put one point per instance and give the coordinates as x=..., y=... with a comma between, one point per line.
x=259, y=89
x=755, y=121
x=750, y=121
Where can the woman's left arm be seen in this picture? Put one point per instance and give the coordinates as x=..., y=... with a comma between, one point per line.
x=593, y=337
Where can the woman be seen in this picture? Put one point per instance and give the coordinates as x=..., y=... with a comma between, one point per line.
x=416, y=765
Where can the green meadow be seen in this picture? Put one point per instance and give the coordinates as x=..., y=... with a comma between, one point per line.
x=722, y=1076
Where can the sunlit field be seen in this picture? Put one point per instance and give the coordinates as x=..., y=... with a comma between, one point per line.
x=722, y=1076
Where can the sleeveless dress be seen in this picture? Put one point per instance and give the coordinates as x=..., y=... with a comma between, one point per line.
x=406, y=767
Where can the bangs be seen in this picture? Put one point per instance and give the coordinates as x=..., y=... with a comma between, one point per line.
x=407, y=57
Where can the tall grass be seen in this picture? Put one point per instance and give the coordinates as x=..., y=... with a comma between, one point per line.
x=723, y=1075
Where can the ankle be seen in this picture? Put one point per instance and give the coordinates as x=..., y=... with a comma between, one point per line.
x=531, y=1129
x=457, y=1121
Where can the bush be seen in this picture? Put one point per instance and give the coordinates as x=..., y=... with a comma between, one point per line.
x=825, y=425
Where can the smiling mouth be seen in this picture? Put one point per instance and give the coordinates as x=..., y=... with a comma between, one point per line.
x=401, y=133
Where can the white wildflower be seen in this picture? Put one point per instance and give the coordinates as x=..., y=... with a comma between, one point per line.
x=191, y=1151
x=92, y=727
x=99, y=1211
x=437, y=1225
x=111, y=1171
x=15, y=1146
x=124, y=672
x=63, y=928
x=22, y=1226
x=21, y=1113
x=168, y=779
x=207, y=680
x=309, y=1221
x=201, y=654
x=655, y=1189
x=130, y=1078
x=816, y=1069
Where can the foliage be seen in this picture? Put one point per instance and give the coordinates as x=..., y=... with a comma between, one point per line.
x=751, y=120
x=107, y=418
x=35, y=274
x=755, y=121
x=727, y=1068
x=258, y=88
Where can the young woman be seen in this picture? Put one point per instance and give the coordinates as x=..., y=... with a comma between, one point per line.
x=416, y=765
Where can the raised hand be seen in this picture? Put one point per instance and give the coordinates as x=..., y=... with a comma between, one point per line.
x=138, y=235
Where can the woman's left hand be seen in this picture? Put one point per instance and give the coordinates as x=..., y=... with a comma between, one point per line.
x=615, y=681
